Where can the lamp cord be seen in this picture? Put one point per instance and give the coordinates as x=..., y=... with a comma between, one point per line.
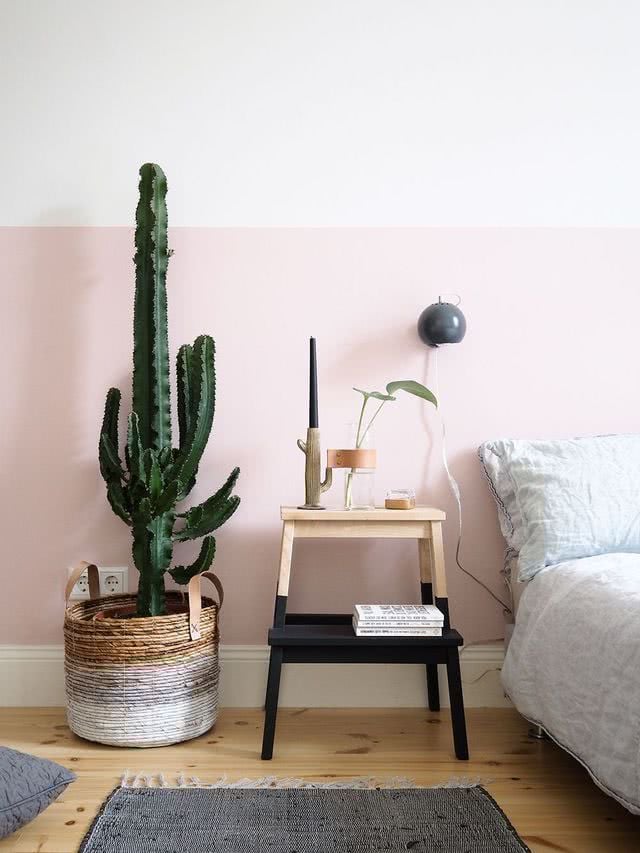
x=455, y=489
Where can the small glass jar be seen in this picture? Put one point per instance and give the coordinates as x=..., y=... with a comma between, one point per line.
x=359, y=483
x=400, y=499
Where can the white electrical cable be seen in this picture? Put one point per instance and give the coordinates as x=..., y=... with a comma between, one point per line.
x=455, y=488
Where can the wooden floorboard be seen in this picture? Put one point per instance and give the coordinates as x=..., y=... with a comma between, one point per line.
x=547, y=795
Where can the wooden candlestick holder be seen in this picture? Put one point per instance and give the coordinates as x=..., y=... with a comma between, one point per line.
x=313, y=486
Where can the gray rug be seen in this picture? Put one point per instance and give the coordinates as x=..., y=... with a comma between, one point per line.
x=294, y=820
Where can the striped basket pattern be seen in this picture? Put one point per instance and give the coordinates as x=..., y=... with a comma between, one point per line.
x=137, y=681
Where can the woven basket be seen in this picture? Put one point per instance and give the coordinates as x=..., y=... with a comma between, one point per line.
x=137, y=681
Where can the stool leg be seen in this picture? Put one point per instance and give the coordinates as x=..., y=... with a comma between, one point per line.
x=433, y=689
x=426, y=596
x=457, y=705
x=271, y=702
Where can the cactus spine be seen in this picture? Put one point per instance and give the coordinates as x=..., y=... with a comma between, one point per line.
x=155, y=477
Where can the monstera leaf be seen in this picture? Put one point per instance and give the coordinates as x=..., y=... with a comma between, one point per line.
x=411, y=387
x=377, y=395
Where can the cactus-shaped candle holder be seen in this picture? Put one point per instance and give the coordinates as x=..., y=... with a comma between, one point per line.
x=313, y=485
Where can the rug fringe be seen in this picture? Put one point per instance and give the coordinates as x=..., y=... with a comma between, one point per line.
x=159, y=780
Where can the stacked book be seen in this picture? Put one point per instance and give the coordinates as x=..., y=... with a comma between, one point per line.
x=397, y=620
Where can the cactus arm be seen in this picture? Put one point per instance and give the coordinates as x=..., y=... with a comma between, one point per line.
x=208, y=516
x=134, y=448
x=201, y=520
x=222, y=494
x=151, y=397
x=118, y=501
x=225, y=490
x=325, y=485
x=111, y=413
x=153, y=477
x=110, y=464
x=183, y=372
x=165, y=457
x=183, y=574
x=155, y=481
x=109, y=459
x=203, y=395
x=168, y=497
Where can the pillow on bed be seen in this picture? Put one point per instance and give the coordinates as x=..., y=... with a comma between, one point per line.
x=561, y=500
x=27, y=786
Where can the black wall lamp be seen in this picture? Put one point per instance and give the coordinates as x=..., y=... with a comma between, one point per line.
x=442, y=323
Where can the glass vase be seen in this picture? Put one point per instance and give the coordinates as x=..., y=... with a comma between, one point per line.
x=359, y=483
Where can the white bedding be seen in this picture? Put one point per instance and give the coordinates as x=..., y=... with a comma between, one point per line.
x=573, y=665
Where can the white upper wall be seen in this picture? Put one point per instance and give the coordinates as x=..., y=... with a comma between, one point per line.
x=327, y=112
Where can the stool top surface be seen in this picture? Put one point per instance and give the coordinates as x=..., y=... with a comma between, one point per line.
x=380, y=513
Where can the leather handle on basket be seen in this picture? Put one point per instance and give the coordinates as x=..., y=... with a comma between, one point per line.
x=94, y=579
x=195, y=601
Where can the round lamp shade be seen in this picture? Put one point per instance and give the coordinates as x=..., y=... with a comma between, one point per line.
x=442, y=323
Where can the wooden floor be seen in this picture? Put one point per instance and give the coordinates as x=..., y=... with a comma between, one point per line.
x=547, y=796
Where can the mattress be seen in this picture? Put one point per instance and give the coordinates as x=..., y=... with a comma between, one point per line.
x=573, y=665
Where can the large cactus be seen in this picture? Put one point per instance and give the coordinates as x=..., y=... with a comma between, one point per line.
x=155, y=477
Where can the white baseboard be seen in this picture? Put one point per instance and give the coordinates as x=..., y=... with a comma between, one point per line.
x=34, y=676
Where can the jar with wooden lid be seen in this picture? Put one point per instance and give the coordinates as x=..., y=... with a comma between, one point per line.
x=400, y=499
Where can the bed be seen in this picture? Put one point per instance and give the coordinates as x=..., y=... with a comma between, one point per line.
x=573, y=662
x=573, y=665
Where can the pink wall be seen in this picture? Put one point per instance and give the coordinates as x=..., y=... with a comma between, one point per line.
x=552, y=350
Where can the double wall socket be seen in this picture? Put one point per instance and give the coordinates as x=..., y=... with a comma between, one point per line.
x=113, y=579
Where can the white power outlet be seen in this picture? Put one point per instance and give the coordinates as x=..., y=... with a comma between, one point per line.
x=113, y=580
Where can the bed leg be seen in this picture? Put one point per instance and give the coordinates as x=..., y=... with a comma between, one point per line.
x=538, y=733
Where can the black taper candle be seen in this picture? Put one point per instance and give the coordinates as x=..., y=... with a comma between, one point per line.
x=313, y=384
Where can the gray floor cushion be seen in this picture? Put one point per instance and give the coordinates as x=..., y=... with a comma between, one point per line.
x=27, y=786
